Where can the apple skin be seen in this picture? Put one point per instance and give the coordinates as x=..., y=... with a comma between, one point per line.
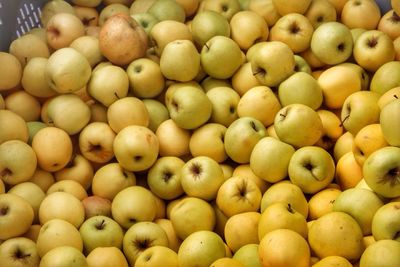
x=361, y=204
x=371, y=255
x=270, y=159
x=381, y=171
x=386, y=77
x=106, y=256
x=248, y=255
x=389, y=116
x=64, y=255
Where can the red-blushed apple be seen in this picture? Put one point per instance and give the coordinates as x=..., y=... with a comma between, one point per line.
x=56, y=233
x=16, y=215
x=238, y=194
x=62, y=205
x=141, y=207
x=95, y=205
x=19, y=251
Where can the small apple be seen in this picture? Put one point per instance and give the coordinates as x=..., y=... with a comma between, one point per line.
x=13, y=126
x=23, y=104
x=332, y=129
x=158, y=113
x=90, y=48
x=68, y=186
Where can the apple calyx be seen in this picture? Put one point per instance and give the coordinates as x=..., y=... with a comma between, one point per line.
x=100, y=225
x=261, y=71
x=142, y=244
x=372, y=42
x=5, y=173
x=95, y=148
x=19, y=254
x=290, y=209
x=340, y=47
x=166, y=176
x=3, y=211
x=196, y=170
x=294, y=28
x=392, y=177
x=86, y=21
x=395, y=18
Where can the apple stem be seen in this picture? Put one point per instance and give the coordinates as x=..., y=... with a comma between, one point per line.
x=396, y=235
x=395, y=96
x=206, y=45
x=289, y=208
x=115, y=93
x=342, y=122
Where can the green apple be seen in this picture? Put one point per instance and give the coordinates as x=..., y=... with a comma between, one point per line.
x=241, y=137
x=201, y=249
x=164, y=177
x=372, y=49
x=33, y=128
x=145, y=78
x=167, y=10
x=67, y=70
x=201, y=177
x=248, y=255
x=260, y=103
x=68, y=112
x=301, y=88
x=19, y=251
x=108, y=84
x=270, y=159
x=192, y=214
x=207, y=24
x=136, y=148
x=180, y=61
x=332, y=43
x=100, y=231
x=111, y=10
x=384, y=222
x=221, y=57
x=388, y=119
x=133, y=204
x=361, y=204
x=238, y=194
x=224, y=102
x=386, y=77
x=226, y=8
x=158, y=113
x=311, y=168
x=271, y=62
x=145, y=20
x=360, y=109
x=298, y=125
x=372, y=254
x=301, y=64
x=382, y=171
x=186, y=101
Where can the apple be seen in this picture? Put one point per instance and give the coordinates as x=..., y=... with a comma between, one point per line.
x=157, y=256
x=388, y=97
x=17, y=162
x=142, y=206
x=88, y=15
x=33, y=78
x=95, y=205
x=51, y=8
x=332, y=261
x=247, y=28
x=62, y=29
x=190, y=215
x=384, y=220
x=89, y=47
x=96, y=142
x=201, y=248
x=272, y=62
x=185, y=101
x=266, y=9
x=348, y=171
x=68, y=186
x=381, y=171
x=301, y=88
x=298, y=125
x=28, y=46
x=301, y=65
x=62, y=205
x=389, y=114
x=336, y=234
x=354, y=12
x=248, y=255
x=136, y=148
x=369, y=139
x=224, y=102
x=388, y=24
x=332, y=129
x=64, y=255
x=201, y=177
x=158, y=113
x=284, y=247
x=122, y=39
x=390, y=248
x=322, y=202
x=145, y=78
x=372, y=49
x=245, y=170
x=385, y=77
x=173, y=240
x=238, y=194
x=79, y=170
x=332, y=43
x=139, y=237
x=32, y=232
x=207, y=24
x=106, y=256
x=285, y=8
x=16, y=215
x=67, y=70
x=100, y=231
x=221, y=57
x=19, y=251
x=320, y=11
x=173, y=140
x=167, y=10
x=243, y=79
x=43, y=179
x=110, y=10
x=288, y=193
x=13, y=127
x=23, y=104
x=270, y=158
x=361, y=204
x=57, y=233
x=180, y=61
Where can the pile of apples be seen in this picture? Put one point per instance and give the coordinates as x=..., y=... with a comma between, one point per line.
x=202, y=133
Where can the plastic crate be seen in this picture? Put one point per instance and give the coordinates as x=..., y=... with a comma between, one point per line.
x=19, y=16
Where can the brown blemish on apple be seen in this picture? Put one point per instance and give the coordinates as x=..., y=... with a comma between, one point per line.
x=95, y=148
x=3, y=211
